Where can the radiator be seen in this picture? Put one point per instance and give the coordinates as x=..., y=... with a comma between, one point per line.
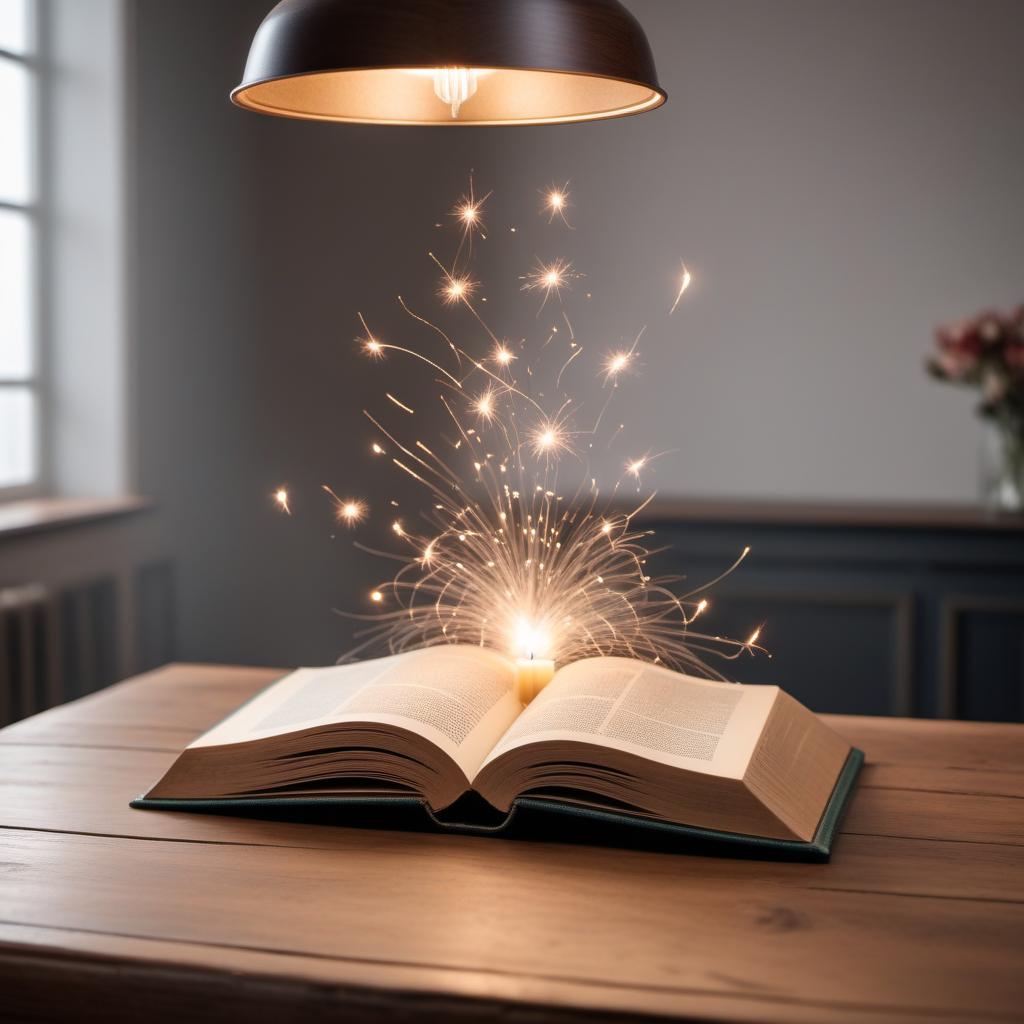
x=27, y=632
x=55, y=644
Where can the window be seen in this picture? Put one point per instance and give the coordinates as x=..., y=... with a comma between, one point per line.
x=20, y=392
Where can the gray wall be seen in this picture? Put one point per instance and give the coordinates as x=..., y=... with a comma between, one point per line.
x=840, y=177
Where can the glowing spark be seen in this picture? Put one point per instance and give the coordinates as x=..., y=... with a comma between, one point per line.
x=346, y=510
x=510, y=562
x=502, y=356
x=457, y=289
x=484, y=405
x=401, y=405
x=556, y=201
x=683, y=285
x=753, y=637
x=281, y=497
x=548, y=439
x=549, y=277
x=616, y=363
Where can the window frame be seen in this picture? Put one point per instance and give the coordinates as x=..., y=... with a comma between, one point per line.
x=34, y=211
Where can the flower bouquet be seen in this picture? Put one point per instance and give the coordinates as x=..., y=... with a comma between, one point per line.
x=987, y=353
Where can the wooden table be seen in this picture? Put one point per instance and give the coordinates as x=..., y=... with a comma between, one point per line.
x=112, y=914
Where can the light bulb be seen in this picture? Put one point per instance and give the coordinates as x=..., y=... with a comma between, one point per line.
x=454, y=86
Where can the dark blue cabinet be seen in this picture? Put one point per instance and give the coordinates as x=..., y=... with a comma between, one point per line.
x=866, y=611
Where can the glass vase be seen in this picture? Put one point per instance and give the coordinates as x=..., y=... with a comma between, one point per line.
x=1002, y=469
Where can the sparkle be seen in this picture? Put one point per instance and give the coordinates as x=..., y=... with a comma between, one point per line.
x=484, y=405
x=556, y=202
x=616, y=363
x=346, y=510
x=549, y=277
x=549, y=438
x=684, y=283
x=457, y=289
x=510, y=561
x=281, y=497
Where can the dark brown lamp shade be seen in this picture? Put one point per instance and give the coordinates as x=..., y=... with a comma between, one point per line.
x=450, y=62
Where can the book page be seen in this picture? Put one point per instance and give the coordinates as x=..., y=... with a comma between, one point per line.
x=649, y=711
x=461, y=699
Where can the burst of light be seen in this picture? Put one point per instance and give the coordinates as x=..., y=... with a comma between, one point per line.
x=281, y=497
x=346, y=510
x=351, y=511
x=549, y=277
x=684, y=283
x=549, y=438
x=616, y=363
x=556, y=202
x=457, y=289
x=754, y=637
x=484, y=405
x=508, y=561
x=531, y=641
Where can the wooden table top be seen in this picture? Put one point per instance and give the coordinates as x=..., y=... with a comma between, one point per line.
x=123, y=914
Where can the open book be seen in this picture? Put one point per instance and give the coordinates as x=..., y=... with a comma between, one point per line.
x=609, y=736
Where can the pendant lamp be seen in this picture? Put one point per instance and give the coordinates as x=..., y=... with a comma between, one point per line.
x=450, y=62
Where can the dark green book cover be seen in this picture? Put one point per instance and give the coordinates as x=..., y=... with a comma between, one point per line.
x=535, y=818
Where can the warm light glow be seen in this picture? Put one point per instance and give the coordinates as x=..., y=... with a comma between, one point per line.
x=530, y=640
x=616, y=363
x=455, y=86
x=549, y=277
x=484, y=405
x=346, y=510
x=281, y=497
x=556, y=201
x=351, y=512
x=549, y=438
x=508, y=560
x=457, y=289
x=684, y=283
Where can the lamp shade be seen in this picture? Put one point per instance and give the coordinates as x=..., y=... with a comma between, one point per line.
x=450, y=62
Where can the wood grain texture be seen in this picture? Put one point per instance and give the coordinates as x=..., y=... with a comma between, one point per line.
x=920, y=915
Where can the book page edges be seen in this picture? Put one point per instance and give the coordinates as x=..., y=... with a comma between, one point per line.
x=795, y=766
